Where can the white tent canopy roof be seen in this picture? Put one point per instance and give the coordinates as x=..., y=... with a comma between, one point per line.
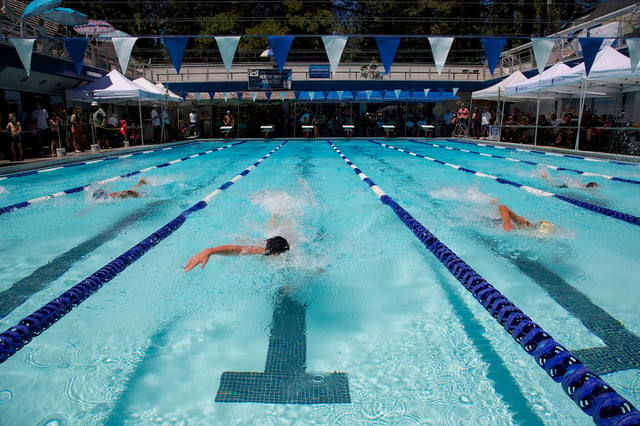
x=114, y=88
x=497, y=91
x=158, y=89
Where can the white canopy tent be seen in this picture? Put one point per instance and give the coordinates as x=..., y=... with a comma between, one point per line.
x=116, y=89
x=496, y=92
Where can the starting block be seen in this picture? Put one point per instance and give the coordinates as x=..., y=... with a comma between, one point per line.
x=427, y=129
x=266, y=130
x=307, y=129
x=389, y=128
x=226, y=131
x=348, y=129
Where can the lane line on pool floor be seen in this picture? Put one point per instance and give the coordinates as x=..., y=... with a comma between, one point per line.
x=24, y=204
x=626, y=217
x=553, y=154
x=533, y=163
x=16, y=337
x=87, y=162
x=593, y=395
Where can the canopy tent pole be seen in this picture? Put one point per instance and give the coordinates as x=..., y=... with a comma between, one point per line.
x=583, y=92
x=500, y=115
x=535, y=137
x=140, y=115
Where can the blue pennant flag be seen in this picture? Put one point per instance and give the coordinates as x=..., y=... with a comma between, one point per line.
x=280, y=46
x=176, y=46
x=492, y=49
x=590, y=48
x=387, y=46
x=77, y=48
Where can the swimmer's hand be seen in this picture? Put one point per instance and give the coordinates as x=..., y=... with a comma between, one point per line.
x=199, y=259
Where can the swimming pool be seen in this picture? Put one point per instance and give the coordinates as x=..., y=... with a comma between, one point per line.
x=373, y=306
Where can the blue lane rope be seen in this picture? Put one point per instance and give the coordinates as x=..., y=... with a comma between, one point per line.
x=16, y=337
x=593, y=395
x=84, y=163
x=533, y=163
x=626, y=217
x=554, y=154
x=23, y=204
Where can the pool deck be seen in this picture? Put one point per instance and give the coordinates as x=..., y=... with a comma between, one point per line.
x=9, y=167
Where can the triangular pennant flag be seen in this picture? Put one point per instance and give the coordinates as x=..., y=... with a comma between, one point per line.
x=280, y=46
x=268, y=95
x=227, y=47
x=254, y=96
x=282, y=96
x=77, y=47
x=455, y=90
x=297, y=95
x=383, y=93
x=542, y=47
x=440, y=47
x=197, y=96
x=354, y=94
x=334, y=45
x=387, y=46
x=397, y=93
x=312, y=95
x=492, y=50
x=590, y=48
x=426, y=93
x=239, y=96
x=24, y=47
x=634, y=52
x=123, y=47
x=325, y=94
x=340, y=94
x=211, y=95
x=225, y=95
x=176, y=46
x=368, y=93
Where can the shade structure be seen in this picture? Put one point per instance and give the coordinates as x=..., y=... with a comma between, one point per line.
x=38, y=7
x=162, y=91
x=66, y=16
x=111, y=34
x=94, y=27
x=267, y=53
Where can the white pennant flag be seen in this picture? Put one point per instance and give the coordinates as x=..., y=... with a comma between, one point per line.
x=254, y=95
x=542, y=48
x=334, y=45
x=225, y=95
x=440, y=47
x=123, y=47
x=227, y=47
x=397, y=93
x=24, y=47
x=282, y=96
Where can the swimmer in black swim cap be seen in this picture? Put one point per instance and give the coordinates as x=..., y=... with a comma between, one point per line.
x=275, y=245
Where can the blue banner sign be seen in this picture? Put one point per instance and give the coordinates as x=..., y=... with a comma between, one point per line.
x=269, y=79
x=319, y=71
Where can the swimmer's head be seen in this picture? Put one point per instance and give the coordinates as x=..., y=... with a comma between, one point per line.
x=591, y=185
x=276, y=245
x=544, y=227
x=100, y=194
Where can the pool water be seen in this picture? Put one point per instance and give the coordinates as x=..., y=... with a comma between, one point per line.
x=151, y=346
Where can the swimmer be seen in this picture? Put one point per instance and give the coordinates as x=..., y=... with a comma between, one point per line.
x=274, y=245
x=101, y=194
x=511, y=220
x=568, y=182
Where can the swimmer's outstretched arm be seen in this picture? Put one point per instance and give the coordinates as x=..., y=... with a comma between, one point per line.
x=226, y=250
x=509, y=215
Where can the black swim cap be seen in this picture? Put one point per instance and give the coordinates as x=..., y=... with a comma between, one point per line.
x=100, y=194
x=276, y=245
x=591, y=185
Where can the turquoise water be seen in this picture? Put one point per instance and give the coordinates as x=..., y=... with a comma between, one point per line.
x=151, y=345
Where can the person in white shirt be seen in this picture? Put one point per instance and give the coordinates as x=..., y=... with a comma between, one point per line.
x=155, y=122
x=485, y=121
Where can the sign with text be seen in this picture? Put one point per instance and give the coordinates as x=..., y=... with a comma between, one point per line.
x=319, y=71
x=269, y=79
